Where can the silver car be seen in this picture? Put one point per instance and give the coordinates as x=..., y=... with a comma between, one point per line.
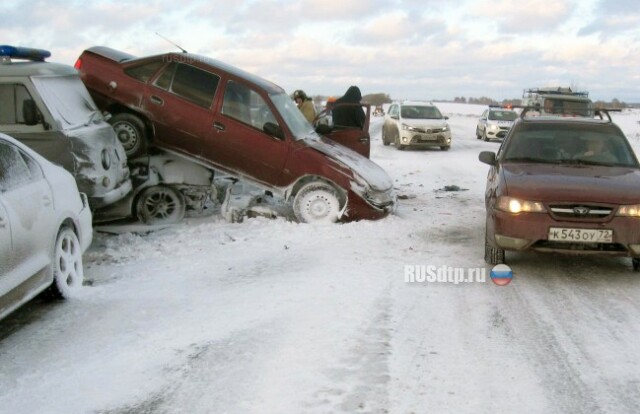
x=416, y=124
x=494, y=123
x=45, y=226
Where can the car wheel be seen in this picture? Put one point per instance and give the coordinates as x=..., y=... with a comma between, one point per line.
x=131, y=133
x=484, y=135
x=492, y=255
x=384, y=138
x=316, y=202
x=445, y=147
x=160, y=204
x=478, y=135
x=636, y=264
x=68, y=273
x=397, y=142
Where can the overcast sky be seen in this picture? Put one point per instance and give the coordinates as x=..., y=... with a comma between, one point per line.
x=411, y=49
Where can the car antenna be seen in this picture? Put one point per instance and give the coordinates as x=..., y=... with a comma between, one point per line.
x=183, y=50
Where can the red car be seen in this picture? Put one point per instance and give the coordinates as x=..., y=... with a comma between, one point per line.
x=569, y=185
x=237, y=123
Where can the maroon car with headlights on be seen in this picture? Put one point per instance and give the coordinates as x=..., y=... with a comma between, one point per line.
x=237, y=123
x=569, y=185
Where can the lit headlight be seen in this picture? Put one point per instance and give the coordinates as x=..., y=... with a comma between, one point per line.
x=445, y=128
x=515, y=206
x=629, y=211
x=494, y=126
x=408, y=127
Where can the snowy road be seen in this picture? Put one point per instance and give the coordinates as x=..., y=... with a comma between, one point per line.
x=269, y=316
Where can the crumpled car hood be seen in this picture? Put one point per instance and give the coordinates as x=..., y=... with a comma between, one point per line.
x=376, y=177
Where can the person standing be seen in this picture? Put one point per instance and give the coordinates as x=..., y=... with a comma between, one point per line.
x=347, y=110
x=305, y=105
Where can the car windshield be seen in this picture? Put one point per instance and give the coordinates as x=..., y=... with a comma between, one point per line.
x=502, y=115
x=420, y=112
x=570, y=144
x=297, y=123
x=68, y=100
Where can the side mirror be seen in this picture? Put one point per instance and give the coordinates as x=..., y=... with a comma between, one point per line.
x=323, y=129
x=488, y=157
x=446, y=117
x=30, y=112
x=395, y=117
x=273, y=129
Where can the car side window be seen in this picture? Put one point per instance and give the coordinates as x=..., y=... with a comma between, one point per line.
x=145, y=71
x=246, y=105
x=191, y=83
x=393, y=111
x=18, y=107
x=16, y=167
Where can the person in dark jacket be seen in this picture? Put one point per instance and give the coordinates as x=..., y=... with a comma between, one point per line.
x=351, y=115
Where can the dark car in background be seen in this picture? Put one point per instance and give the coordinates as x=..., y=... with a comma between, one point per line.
x=236, y=123
x=559, y=184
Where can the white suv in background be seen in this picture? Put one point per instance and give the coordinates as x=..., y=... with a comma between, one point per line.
x=416, y=124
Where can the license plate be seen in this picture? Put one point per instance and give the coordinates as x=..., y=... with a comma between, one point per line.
x=580, y=235
x=425, y=138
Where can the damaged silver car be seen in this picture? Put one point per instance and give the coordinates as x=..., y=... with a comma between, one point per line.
x=47, y=107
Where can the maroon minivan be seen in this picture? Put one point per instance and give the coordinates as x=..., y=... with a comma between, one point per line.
x=237, y=123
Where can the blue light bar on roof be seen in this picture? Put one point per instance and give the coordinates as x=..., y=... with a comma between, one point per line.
x=24, y=53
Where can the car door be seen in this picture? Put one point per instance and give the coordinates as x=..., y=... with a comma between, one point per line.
x=27, y=203
x=238, y=142
x=178, y=102
x=357, y=139
x=5, y=241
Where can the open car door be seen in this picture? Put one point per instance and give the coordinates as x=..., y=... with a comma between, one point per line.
x=352, y=137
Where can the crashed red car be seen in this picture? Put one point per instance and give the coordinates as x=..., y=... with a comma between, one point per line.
x=568, y=185
x=236, y=123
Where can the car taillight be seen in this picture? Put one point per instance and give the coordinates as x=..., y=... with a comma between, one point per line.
x=78, y=64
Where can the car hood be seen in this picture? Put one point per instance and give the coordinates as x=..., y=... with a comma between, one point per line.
x=425, y=123
x=572, y=183
x=376, y=177
x=501, y=123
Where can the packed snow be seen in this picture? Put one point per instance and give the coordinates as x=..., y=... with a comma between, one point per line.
x=272, y=316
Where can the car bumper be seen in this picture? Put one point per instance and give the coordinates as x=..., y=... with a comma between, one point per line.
x=112, y=196
x=530, y=231
x=497, y=133
x=369, y=207
x=416, y=139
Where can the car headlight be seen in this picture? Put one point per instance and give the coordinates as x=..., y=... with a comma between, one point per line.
x=408, y=127
x=493, y=126
x=106, y=159
x=445, y=128
x=629, y=211
x=515, y=205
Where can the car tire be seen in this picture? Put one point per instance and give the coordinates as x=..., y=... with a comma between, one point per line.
x=445, y=147
x=316, y=202
x=493, y=255
x=635, y=262
x=484, y=135
x=478, y=135
x=399, y=146
x=131, y=133
x=68, y=273
x=384, y=138
x=160, y=204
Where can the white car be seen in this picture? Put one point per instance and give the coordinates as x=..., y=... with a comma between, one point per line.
x=45, y=227
x=494, y=123
x=416, y=124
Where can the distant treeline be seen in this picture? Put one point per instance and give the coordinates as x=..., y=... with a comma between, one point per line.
x=384, y=98
x=615, y=103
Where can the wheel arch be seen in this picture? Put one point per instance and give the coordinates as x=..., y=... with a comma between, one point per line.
x=116, y=108
x=302, y=181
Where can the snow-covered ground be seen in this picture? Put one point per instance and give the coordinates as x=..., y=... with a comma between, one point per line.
x=271, y=316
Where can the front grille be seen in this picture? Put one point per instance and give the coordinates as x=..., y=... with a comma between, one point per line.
x=580, y=211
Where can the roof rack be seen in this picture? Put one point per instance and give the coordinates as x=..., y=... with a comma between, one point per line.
x=606, y=111
x=555, y=91
x=7, y=52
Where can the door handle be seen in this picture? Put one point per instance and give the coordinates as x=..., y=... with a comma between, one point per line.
x=156, y=100
x=46, y=200
x=3, y=223
x=364, y=140
x=219, y=126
